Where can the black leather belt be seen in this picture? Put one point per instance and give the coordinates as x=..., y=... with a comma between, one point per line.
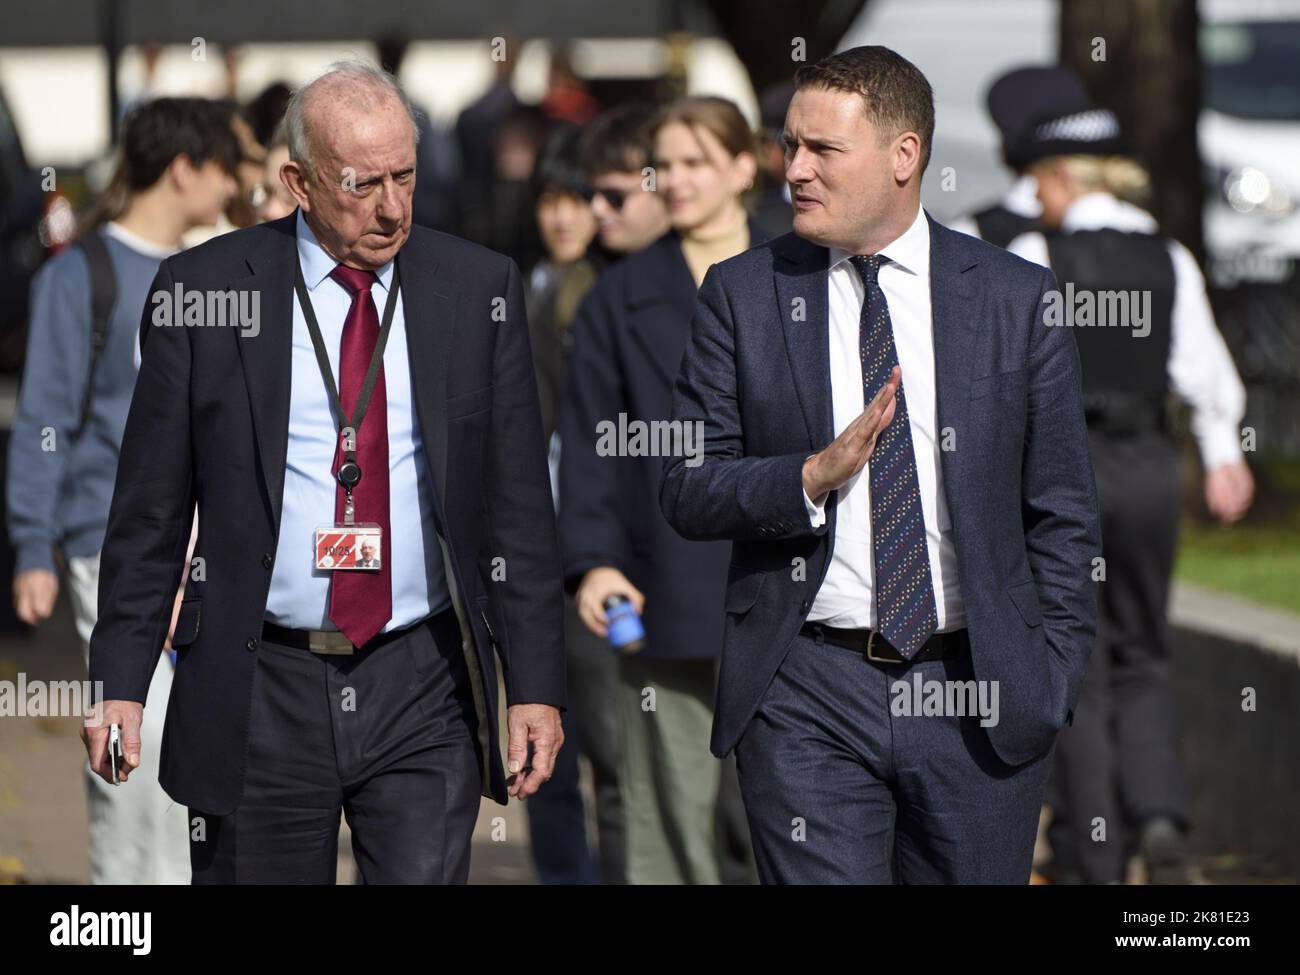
x=941, y=646
x=1114, y=414
x=334, y=642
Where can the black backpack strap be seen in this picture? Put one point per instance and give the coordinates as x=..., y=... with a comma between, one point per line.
x=103, y=296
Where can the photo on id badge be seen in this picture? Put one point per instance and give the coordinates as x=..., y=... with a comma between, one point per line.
x=349, y=547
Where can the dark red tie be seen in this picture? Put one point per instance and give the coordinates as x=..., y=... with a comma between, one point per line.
x=361, y=601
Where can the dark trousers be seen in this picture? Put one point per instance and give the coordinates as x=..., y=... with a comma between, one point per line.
x=557, y=821
x=840, y=790
x=385, y=736
x=1118, y=764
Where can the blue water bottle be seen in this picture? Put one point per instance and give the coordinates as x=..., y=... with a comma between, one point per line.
x=626, y=634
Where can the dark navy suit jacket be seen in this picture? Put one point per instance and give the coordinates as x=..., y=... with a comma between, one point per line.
x=1019, y=483
x=209, y=424
x=628, y=341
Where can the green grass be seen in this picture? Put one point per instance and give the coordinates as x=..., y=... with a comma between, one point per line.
x=1259, y=563
x=1258, y=559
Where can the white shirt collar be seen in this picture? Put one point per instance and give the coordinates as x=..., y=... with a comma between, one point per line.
x=317, y=262
x=1094, y=211
x=138, y=243
x=910, y=250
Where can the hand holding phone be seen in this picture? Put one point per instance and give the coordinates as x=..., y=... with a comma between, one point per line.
x=115, y=750
x=111, y=734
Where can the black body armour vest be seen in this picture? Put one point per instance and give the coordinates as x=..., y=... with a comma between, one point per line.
x=1000, y=226
x=1117, y=297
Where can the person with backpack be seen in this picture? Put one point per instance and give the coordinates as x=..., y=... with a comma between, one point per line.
x=174, y=172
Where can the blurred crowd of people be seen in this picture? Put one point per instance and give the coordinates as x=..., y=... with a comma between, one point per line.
x=614, y=214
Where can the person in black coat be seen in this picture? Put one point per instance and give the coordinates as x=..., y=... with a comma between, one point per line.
x=629, y=338
x=557, y=815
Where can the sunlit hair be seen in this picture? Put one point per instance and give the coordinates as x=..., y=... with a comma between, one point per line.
x=718, y=116
x=359, y=83
x=896, y=95
x=1117, y=175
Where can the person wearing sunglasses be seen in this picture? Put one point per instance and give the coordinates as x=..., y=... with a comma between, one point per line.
x=615, y=152
x=629, y=337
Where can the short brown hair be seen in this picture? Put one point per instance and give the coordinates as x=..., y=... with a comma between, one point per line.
x=617, y=140
x=718, y=116
x=898, y=98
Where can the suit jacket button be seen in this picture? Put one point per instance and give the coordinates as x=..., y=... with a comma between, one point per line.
x=267, y=561
x=804, y=607
x=251, y=644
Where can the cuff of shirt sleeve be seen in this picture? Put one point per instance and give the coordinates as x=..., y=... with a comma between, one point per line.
x=1220, y=445
x=816, y=512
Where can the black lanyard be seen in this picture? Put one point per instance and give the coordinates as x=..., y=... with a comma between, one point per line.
x=349, y=472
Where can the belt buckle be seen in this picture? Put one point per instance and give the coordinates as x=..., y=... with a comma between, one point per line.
x=871, y=642
x=320, y=642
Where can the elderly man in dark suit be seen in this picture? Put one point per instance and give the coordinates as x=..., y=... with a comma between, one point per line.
x=305, y=687
x=894, y=441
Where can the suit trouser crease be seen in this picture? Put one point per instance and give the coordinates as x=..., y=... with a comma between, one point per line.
x=840, y=790
x=384, y=736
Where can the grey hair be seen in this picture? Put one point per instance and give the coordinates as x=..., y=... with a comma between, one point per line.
x=363, y=82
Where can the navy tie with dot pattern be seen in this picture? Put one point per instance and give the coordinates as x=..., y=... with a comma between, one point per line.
x=905, y=606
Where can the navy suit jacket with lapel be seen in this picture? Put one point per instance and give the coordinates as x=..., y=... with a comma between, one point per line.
x=208, y=425
x=1017, y=472
x=628, y=341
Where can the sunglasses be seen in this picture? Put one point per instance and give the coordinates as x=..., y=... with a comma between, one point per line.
x=615, y=198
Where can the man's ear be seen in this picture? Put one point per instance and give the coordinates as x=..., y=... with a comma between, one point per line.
x=907, y=156
x=180, y=172
x=294, y=176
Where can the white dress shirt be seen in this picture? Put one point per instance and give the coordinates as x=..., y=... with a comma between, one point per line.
x=1200, y=367
x=299, y=596
x=847, y=594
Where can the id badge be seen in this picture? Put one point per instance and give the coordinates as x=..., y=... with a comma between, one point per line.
x=358, y=546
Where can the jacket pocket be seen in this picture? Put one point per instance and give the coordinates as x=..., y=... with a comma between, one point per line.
x=187, y=622
x=1005, y=383
x=475, y=401
x=743, y=592
x=1025, y=596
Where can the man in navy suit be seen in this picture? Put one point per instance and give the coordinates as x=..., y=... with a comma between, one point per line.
x=302, y=690
x=894, y=441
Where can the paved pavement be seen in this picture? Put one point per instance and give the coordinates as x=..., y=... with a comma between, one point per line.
x=43, y=833
x=42, y=792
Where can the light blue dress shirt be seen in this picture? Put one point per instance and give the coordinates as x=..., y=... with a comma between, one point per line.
x=299, y=596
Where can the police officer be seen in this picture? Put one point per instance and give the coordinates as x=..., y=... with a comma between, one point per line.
x=1137, y=305
x=1016, y=101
